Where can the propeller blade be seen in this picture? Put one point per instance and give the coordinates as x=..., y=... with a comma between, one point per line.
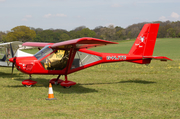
x=14, y=61
x=12, y=68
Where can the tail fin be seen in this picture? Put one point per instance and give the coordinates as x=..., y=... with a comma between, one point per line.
x=145, y=42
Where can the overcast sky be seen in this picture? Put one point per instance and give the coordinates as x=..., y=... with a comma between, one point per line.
x=69, y=14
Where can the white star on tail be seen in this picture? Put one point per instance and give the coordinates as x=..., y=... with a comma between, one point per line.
x=142, y=38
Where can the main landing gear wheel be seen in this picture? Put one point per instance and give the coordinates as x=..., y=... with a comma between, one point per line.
x=66, y=87
x=67, y=84
x=56, y=81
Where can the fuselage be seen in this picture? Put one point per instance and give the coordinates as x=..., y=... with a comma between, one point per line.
x=66, y=61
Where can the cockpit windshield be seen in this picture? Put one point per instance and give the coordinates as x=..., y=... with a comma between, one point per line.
x=43, y=52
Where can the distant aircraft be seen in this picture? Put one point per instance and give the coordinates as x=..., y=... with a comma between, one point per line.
x=67, y=57
x=9, y=50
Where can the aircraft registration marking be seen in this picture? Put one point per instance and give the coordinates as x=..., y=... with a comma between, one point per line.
x=116, y=57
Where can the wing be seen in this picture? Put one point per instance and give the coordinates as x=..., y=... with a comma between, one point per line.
x=85, y=42
x=15, y=45
x=36, y=44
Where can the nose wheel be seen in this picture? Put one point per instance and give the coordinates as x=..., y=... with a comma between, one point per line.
x=29, y=82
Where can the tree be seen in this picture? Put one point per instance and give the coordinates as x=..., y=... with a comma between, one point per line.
x=97, y=30
x=171, y=32
x=46, y=36
x=111, y=32
x=108, y=33
x=37, y=30
x=119, y=34
x=86, y=32
x=2, y=36
x=132, y=31
x=162, y=33
x=64, y=37
x=21, y=33
x=178, y=35
x=79, y=28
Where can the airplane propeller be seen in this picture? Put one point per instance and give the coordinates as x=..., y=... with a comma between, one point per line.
x=14, y=61
x=14, y=58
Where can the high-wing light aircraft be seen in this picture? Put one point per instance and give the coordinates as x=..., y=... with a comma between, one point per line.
x=67, y=57
x=9, y=50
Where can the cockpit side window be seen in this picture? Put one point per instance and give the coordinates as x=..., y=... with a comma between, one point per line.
x=43, y=52
x=82, y=59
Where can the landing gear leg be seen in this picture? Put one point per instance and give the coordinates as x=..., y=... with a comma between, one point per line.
x=56, y=81
x=30, y=77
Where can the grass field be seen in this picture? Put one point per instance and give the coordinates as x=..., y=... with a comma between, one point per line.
x=114, y=90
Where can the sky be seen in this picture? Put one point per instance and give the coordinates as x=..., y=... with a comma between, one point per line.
x=70, y=14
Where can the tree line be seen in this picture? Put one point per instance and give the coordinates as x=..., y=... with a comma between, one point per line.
x=167, y=29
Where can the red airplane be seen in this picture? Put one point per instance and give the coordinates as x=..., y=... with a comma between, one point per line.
x=67, y=57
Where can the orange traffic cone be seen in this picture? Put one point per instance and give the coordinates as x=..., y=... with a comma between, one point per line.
x=50, y=95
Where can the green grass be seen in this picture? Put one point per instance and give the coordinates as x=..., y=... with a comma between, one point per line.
x=31, y=51
x=113, y=90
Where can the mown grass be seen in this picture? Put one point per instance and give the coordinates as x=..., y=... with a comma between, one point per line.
x=113, y=90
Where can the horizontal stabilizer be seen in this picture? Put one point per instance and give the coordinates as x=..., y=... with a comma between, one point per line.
x=162, y=58
x=143, y=61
